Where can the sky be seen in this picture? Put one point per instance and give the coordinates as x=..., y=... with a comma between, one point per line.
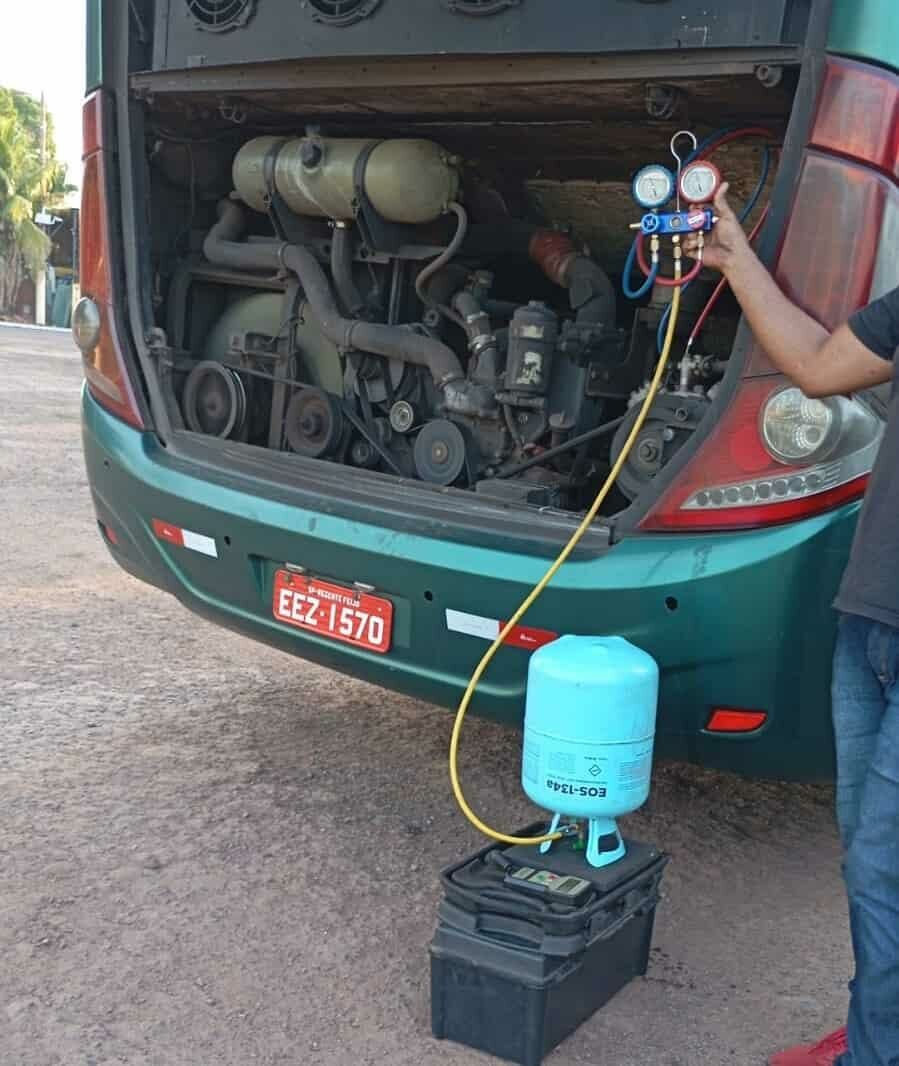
x=42, y=49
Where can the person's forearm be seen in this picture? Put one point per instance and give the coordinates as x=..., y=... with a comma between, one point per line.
x=821, y=363
x=791, y=338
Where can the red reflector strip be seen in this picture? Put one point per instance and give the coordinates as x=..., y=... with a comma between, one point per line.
x=529, y=637
x=168, y=532
x=728, y=721
x=185, y=538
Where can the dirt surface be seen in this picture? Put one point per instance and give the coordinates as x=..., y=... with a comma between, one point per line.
x=212, y=854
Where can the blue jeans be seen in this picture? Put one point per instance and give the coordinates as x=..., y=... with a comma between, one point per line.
x=866, y=722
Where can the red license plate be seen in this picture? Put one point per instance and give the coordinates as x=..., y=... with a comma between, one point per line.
x=333, y=611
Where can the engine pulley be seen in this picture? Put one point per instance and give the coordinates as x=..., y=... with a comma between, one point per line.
x=403, y=416
x=672, y=419
x=313, y=424
x=363, y=452
x=214, y=401
x=440, y=452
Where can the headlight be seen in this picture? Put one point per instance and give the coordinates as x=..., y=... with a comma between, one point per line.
x=797, y=429
x=86, y=324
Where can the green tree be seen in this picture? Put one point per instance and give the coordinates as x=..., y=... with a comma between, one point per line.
x=26, y=185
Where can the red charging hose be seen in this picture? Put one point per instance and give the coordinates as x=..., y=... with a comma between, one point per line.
x=722, y=285
x=734, y=135
x=668, y=283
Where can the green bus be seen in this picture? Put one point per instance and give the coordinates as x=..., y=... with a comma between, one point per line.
x=357, y=356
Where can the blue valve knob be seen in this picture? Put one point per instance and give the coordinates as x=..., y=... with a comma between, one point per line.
x=650, y=223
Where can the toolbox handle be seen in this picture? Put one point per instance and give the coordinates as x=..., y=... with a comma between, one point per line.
x=514, y=929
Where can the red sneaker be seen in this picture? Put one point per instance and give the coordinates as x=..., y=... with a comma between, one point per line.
x=824, y=1053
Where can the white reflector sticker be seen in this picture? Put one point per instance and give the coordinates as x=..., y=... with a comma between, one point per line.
x=198, y=543
x=472, y=624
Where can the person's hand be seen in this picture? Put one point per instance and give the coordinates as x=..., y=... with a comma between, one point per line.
x=727, y=241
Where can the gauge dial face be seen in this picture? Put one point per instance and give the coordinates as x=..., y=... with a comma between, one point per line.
x=653, y=186
x=699, y=182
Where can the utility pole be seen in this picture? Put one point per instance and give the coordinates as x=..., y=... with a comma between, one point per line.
x=40, y=282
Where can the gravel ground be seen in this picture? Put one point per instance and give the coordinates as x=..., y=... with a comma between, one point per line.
x=212, y=854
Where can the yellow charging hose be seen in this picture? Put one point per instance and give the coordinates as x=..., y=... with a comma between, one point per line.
x=535, y=592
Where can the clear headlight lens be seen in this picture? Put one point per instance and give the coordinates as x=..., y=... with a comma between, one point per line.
x=797, y=429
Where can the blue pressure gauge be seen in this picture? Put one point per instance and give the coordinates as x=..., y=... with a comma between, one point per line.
x=653, y=186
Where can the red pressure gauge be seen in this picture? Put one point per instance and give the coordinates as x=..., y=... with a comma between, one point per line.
x=699, y=182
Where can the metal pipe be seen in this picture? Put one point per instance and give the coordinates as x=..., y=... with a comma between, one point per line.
x=481, y=341
x=551, y=453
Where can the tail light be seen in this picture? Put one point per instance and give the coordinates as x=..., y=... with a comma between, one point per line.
x=742, y=478
x=94, y=321
x=774, y=456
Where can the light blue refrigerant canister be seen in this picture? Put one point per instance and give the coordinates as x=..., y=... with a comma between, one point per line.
x=589, y=728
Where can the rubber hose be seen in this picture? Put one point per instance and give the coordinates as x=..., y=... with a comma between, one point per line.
x=586, y=277
x=223, y=246
x=476, y=322
x=629, y=291
x=466, y=305
x=342, y=271
x=393, y=341
x=445, y=256
x=590, y=292
x=224, y=249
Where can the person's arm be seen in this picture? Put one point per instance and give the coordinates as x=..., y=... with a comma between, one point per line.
x=819, y=362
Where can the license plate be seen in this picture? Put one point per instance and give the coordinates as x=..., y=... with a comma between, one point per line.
x=333, y=611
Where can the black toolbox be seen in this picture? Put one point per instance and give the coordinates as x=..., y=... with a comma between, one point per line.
x=512, y=974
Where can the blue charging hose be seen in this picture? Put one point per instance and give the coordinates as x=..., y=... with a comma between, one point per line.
x=629, y=264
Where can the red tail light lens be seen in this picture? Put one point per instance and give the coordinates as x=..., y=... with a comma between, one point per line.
x=104, y=362
x=835, y=240
x=858, y=114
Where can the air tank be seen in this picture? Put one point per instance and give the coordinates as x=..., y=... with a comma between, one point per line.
x=588, y=734
x=407, y=180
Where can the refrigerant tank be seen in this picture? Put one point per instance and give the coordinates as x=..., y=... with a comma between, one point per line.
x=407, y=180
x=588, y=734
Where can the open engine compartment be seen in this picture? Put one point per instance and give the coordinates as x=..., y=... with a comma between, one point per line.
x=436, y=298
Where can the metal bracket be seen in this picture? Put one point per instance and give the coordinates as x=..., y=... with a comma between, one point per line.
x=378, y=235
